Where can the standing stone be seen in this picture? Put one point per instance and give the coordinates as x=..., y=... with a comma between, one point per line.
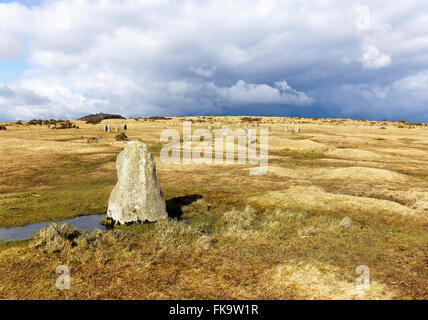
x=125, y=127
x=285, y=128
x=137, y=196
x=106, y=128
x=297, y=130
x=117, y=128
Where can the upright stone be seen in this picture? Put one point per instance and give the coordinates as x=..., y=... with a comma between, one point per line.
x=106, y=128
x=117, y=128
x=125, y=127
x=285, y=128
x=137, y=196
x=297, y=130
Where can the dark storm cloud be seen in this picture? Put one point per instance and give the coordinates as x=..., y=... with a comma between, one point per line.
x=355, y=59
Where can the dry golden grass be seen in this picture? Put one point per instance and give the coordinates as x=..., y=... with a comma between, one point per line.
x=335, y=168
x=320, y=281
x=369, y=175
x=313, y=199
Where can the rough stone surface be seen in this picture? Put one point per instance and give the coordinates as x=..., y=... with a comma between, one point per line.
x=137, y=196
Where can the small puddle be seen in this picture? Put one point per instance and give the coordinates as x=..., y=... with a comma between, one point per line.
x=83, y=223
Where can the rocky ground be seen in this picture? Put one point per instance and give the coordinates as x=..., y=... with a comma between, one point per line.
x=340, y=194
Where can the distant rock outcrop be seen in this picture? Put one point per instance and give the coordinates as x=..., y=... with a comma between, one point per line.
x=137, y=196
x=102, y=116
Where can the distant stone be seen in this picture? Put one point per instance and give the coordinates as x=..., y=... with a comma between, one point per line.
x=137, y=196
x=297, y=129
x=125, y=127
x=106, y=128
x=285, y=128
x=117, y=128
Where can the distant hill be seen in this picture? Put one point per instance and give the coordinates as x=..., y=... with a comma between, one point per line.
x=102, y=115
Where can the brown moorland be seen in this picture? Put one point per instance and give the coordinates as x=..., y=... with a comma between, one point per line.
x=239, y=236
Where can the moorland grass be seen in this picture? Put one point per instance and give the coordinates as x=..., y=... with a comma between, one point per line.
x=290, y=245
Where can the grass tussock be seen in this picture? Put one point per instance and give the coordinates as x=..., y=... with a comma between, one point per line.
x=121, y=137
x=93, y=140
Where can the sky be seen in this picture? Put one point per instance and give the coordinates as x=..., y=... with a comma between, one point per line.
x=321, y=58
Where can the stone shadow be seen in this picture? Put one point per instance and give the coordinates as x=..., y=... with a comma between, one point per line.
x=174, y=205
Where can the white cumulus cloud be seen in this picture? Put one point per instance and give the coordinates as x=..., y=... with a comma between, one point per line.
x=204, y=72
x=247, y=93
x=372, y=58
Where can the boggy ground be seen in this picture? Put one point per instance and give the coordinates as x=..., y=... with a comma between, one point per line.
x=289, y=243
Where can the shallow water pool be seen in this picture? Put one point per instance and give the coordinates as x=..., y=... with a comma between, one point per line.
x=83, y=223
